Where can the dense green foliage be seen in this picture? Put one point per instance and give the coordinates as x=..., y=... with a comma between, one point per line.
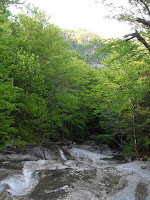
x=123, y=92
x=43, y=84
x=124, y=86
x=48, y=92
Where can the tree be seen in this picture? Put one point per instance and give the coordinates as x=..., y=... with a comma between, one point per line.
x=50, y=81
x=8, y=93
x=8, y=2
x=4, y=11
x=137, y=13
x=123, y=86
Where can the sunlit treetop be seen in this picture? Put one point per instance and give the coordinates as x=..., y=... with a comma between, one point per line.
x=10, y=2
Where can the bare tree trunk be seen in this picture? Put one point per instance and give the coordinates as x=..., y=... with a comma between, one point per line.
x=134, y=130
x=135, y=136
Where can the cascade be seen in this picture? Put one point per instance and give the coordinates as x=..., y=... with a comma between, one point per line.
x=62, y=155
x=84, y=175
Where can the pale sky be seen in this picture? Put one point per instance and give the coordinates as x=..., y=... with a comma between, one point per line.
x=86, y=14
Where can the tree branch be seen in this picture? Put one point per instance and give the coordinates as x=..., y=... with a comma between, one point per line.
x=143, y=21
x=139, y=37
x=129, y=38
x=146, y=6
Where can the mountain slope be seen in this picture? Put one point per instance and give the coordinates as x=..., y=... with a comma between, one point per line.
x=83, y=42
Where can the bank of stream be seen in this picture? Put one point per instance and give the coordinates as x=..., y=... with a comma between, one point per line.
x=73, y=172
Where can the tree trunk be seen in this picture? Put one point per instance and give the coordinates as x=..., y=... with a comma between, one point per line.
x=135, y=136
x=134, y=130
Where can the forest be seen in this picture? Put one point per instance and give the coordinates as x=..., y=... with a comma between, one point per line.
x=49, y=92
x=84, y=43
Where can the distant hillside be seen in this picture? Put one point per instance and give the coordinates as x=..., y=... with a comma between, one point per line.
x=83, y=42
x=80, y=35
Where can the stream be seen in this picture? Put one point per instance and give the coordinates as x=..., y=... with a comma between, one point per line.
x=75, y=172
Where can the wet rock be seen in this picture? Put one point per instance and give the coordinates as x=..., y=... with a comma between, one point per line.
x=141, y=191
x=53, y=186
x=95, y=184
x=16, y=157
x=148, y=165
x=41, y=153
x=48, y=155
x=128, y=158
x=81, y=173
x=137, y=179
x=118, y=157
x=29, y=154
x=37, y=152
x=2, y=192
x=4, y=195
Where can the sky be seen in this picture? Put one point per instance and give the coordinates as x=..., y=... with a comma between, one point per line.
x=86, y=14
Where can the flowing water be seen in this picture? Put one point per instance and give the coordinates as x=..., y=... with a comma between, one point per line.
x=79, y=173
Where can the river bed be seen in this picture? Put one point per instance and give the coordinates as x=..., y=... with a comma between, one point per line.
x=79, y=172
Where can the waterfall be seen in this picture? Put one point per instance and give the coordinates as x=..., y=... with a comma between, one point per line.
x=85, y=154
x=62, y=155
x=23, y=184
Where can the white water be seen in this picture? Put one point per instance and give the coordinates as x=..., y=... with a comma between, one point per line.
x=62, y=155
x=22, y=184
x=80, y=153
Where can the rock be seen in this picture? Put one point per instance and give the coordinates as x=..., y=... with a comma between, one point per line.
x=37, y=152
x=119, y=157
x=29, y=154
x=2, y=192
x=17, y=157
x=141, y=191
x=82, y=174
x=148, y=165
x=48, y=155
